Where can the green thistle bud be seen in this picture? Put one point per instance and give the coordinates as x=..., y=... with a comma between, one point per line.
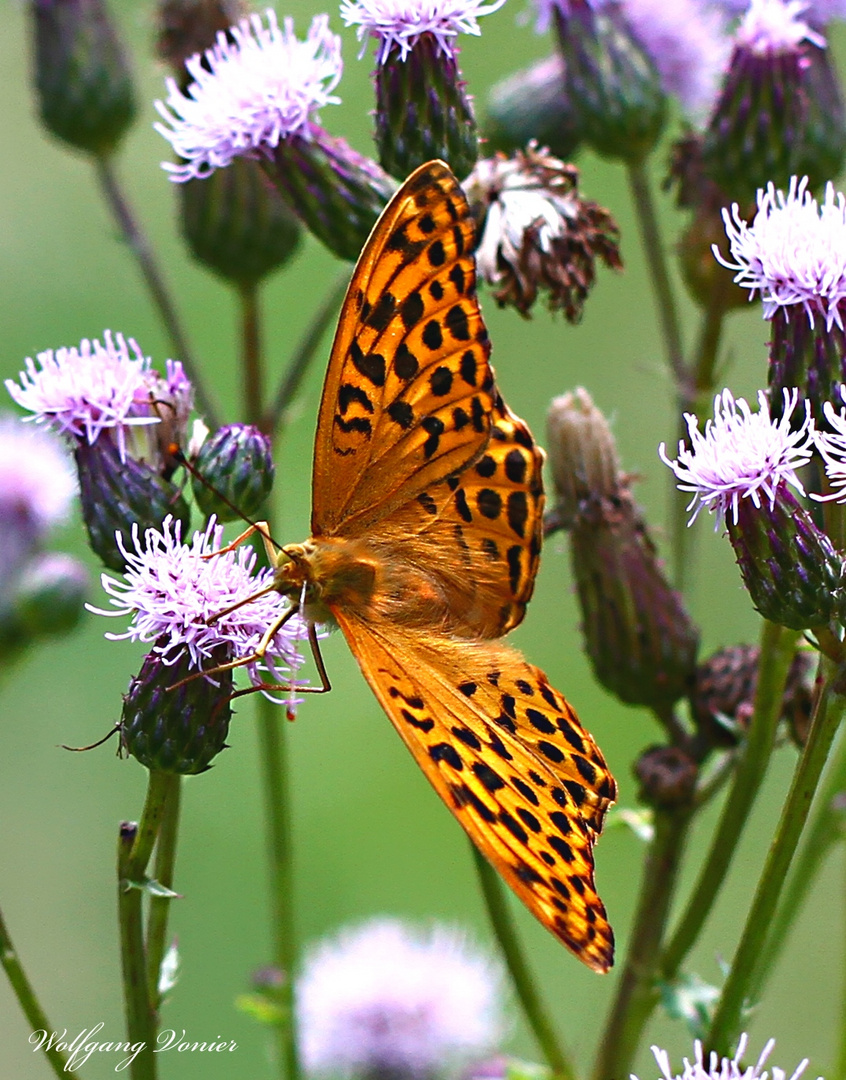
x=82, y=78
x=790, y=568
x=236, y=223
x=622, y=106
x=50, y=595
x=667, y=776
x=185, y=27
x=116, y=495
x=337, y=192
x=422, y=111
x=723, y=697
x=176, y=730
x=237, y=464
x=640, y=639
x=533, y=104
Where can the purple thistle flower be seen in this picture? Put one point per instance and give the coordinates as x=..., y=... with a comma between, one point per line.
x=403, y=22
x=775, y=26
x=251, y=91
x=386, y=999
x=831, y=445
x=741, y=455
x=686, y=40
x=794, y=252
x=715, y=1068
x=83, y=392
x=172, y=591
x=37, y=482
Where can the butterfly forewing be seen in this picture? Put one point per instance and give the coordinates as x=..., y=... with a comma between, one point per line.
x=409, y=389
x=510, y=759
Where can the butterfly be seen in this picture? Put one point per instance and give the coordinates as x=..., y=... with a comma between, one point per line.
x=426, y=533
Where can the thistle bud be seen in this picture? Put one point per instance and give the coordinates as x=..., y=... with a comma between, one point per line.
x=422, y=109
x=118, y=494
x=237, y=464
x=83, y=82
x=667, y=775
x=176, y=729
x=50, y=595
x=532, y=104
x=639, y=637
x=723, y=698
x=622, y=105
x=770, y=120
x=236, y=223
x=337, y=192
x=186, y=27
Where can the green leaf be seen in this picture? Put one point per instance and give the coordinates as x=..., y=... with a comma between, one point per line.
x=152, y=888
x=169, y=970
x=691, y=1000
x=260, y=1008
x=515, y=1069
x=639, y=821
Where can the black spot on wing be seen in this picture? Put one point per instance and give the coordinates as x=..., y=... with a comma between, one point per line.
x=411, y=311
x=371, y=366
x=515, y=466
x=401, y=413
x=433, y=337
x=382, y=312
x=457, y=324
x=440, y=381
x=348, y=393
x=406, y=364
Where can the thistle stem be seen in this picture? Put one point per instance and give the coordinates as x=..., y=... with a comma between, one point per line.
x=824, y=831
x=135, y=846
x=159, y=913
x=139, y=245
x=277, y=807
x=654, y=250
x=828, y=711
x=778, y=646
x=29, y=1003
x=533, y=1007
x=636, y=990
x=273, y=753
x=305, y=353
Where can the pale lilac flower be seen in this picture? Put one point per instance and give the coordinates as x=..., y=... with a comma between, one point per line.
x=818, y=12
x=741, y=454
x=832, y=448
x=772, y=27
x=170, y=592
x=794, y=252
x=97, y=387
x=386, y=998
x=688, y=44
x=37, y=482
x=686, y=40
x=249, y=93
x=402, y=22
x=715, y=1068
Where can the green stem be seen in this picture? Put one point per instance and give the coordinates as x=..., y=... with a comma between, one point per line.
x=139, y=245
x=305, y=353
x=277, y=808
x=274, y=764
x=778, y=646
x=653, y=246
x=636, y=990
x=135, y=846
x=840, y=1073
x=163, y=872
x=822, y=834
x=729, y=1016
x=29, y=1003
x=533, y=1007
x=252, y=367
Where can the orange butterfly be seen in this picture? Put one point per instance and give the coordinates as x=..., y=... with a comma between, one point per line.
x=426, y=532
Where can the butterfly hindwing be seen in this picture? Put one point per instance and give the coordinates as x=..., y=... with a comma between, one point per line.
x=508, y=756
x=409, y=389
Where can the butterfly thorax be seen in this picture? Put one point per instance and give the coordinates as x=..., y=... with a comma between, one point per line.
x=353, y=576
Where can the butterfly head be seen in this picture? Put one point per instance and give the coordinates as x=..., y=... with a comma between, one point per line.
x=325, y=573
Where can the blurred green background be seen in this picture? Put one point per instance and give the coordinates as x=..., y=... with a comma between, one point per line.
x=371, y=837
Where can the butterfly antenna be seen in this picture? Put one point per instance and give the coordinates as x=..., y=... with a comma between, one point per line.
x=175, y=451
